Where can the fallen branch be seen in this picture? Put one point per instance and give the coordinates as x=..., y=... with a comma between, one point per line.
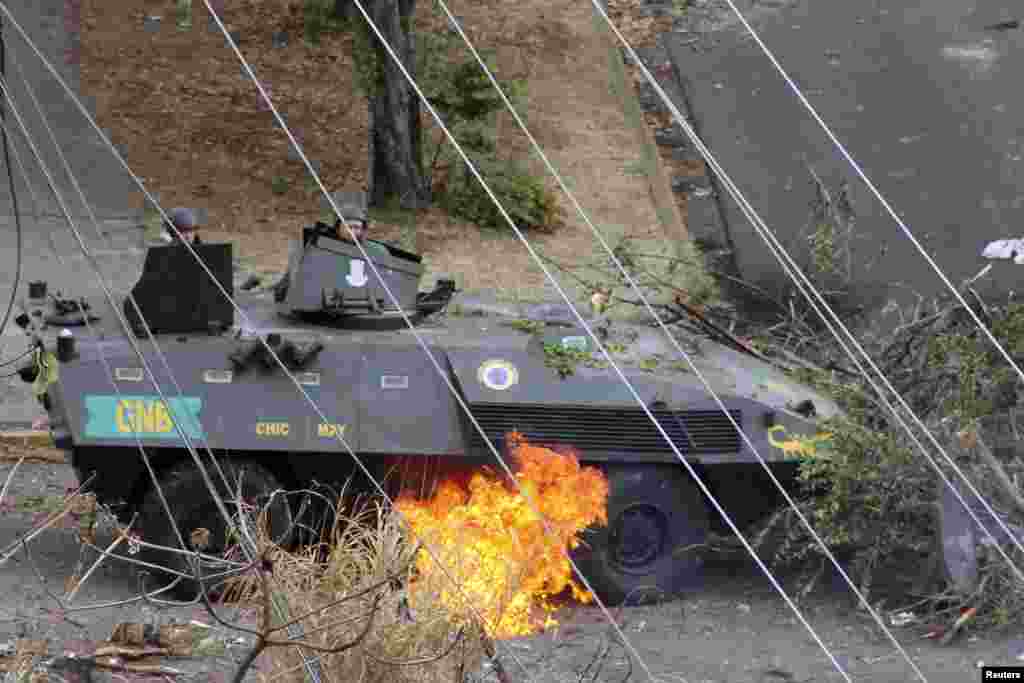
x=12, y=547
x=1012, y=492
x=10, y=476
x=110, y=549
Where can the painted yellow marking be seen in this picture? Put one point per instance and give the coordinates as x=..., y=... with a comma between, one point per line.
x=272, y=428
x=147, y=417
x=325, y=430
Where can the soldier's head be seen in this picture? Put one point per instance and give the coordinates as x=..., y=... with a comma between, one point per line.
x=359, y=227
x=185, y=223
x=352, y=206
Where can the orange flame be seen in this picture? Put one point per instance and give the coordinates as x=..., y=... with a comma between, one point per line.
x=490, y=541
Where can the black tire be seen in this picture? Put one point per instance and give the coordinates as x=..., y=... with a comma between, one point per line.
x=654, y=513
x=193, y=508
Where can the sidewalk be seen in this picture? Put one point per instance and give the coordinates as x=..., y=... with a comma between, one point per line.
x=54, y=28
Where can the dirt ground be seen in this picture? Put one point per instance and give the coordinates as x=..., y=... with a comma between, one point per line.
x=737, y=630
x=197, y=131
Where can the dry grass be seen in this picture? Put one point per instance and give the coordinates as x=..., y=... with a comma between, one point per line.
x=363, y=550
x=193, y=128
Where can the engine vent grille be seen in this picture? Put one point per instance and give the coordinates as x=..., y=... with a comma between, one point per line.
x=610, y=429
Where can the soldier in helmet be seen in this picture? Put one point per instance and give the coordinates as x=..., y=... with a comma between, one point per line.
x=352, y=206
x=183, y=226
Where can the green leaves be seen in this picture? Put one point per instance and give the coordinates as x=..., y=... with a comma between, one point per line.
x=467, y=102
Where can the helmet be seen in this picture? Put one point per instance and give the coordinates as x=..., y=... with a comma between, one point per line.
x=183, y=219
x=351, y=204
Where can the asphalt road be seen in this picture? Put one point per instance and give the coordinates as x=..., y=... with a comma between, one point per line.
x=53, y=27
x=924, y=98
x=50, y=252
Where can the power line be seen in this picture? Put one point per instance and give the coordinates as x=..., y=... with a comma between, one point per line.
x=482, y=63
x=766, y=234
x=871, y=186
x=250, y=551
x=581, y=321
x=574, y=310
x=176, y=422
x=14, y=194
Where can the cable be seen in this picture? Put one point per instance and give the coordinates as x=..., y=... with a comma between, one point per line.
x=175, y=419
x=149, y=196
x=561, y=292
x=871, y=186
x=454, y=22
x=49, y=67
x=554, y=281
x=481, y=180
x=250, y=552
x=65, y=164
x=570, y=304
x=14, y=194
x=18, y=357
x=765, y=233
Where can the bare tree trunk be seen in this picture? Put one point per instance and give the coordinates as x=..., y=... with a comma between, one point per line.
x=395, y=137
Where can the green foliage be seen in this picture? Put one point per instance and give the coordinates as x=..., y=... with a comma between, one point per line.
x=564, y=360
x=183, y=11
x=663, y=268
x=527, y=326
x=975, y=370
x=464, y=92
x=279, y=185
x=868, y=491
x=871, y=495
x=318, y=18
x=823, y=248
x=864, y=491
x=524, y=197
x=468, y=103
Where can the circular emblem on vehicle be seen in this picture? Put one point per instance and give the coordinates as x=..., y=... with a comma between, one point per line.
x=497, y=374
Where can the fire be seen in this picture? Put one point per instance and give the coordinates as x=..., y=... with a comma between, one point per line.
x=490, y=541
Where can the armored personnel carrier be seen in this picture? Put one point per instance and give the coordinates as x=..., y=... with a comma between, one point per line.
x=352, y=353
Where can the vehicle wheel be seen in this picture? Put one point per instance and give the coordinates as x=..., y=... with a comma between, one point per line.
x=194, y=508
x=654, y=513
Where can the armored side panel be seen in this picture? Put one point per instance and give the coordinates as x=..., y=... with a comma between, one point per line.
x=380, y=401
x=593, y=412
x=328, y=269
x=405, y=406
x=176, y=295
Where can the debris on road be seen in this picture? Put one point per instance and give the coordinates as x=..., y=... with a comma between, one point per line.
x=902, y=619
x=1005, y=249
x=132, y=648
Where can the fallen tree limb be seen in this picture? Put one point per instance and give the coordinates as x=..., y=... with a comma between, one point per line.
x=1006, y=486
